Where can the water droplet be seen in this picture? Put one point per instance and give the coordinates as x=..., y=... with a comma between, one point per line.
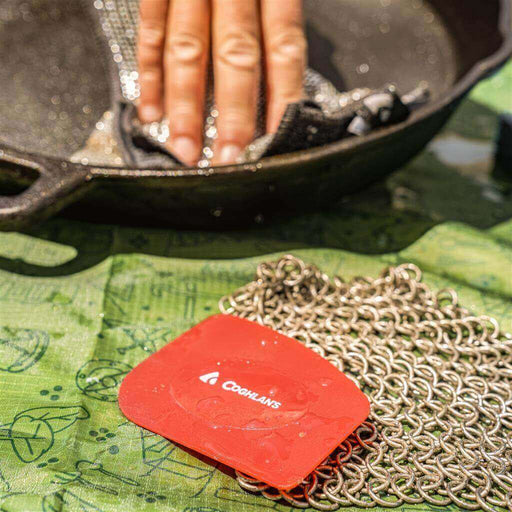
x=301, y=395
x=302, y=434
x=222, y=419
x=207, y=404
x=255, y=425
x=363, y=69
x=325, y=382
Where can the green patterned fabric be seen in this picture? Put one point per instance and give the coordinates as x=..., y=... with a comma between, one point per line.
x=81, y=304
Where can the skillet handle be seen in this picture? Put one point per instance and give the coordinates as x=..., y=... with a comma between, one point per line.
x=58, y=184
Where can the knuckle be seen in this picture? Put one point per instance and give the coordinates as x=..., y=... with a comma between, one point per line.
x=289, y=45
x=150, y=76
x=236, y=125
x=149, y=59
x=187, y=129
x=185, y=48
x=151, y=36
x=184, y=112
x=283, y=98
x=185, y=126
x=240, y=50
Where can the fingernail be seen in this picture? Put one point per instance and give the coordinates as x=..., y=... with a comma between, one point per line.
x=186, y=149
x=150, y=114
x=229, y=153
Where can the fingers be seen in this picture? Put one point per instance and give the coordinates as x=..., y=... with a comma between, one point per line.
x=176, y=38
x=286, y=54
x=150, y=48
x=237, y=59
x=185, y=61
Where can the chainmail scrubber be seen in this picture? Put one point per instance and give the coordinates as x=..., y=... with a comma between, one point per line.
x=437, y=377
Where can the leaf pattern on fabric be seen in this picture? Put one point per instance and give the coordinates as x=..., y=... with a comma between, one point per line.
x=32, y=432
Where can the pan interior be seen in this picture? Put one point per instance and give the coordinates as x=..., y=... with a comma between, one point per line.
x=54, y=77
x=357, y=43
x=56, y=73
x=369, y=43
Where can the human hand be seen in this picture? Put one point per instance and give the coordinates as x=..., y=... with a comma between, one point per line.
x=246, y=37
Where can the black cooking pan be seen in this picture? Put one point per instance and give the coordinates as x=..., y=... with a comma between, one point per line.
x=55, y=85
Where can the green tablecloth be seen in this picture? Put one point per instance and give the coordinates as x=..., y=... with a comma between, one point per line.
x=81, y=304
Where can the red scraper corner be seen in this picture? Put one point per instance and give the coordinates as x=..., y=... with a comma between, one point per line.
x=246, y=396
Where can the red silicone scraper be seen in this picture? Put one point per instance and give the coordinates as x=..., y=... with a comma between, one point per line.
x=246, y=396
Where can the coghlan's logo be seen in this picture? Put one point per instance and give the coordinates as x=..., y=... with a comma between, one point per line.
x=232, y=386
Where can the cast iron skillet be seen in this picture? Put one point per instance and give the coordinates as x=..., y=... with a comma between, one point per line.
x=451, y=44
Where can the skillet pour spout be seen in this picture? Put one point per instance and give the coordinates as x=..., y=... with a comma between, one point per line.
x=58, y=79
